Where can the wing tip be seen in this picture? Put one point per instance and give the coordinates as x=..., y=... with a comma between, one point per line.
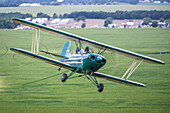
x=161, y=62
x=15, y=19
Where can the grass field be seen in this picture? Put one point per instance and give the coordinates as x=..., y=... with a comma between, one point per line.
x=50, y=10
x=32, y=86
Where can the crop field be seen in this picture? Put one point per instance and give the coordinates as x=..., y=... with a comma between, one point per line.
x=50, y=10
x=31, y=86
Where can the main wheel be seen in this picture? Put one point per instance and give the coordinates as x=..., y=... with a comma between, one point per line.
x=101, y=87
x=64, y=77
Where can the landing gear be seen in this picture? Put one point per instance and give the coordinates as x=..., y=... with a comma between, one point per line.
x=64, y=77
x=100, y=87
x=90, y=76
x=93, y=79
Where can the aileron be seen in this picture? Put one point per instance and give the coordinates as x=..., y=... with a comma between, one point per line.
x=118, y=80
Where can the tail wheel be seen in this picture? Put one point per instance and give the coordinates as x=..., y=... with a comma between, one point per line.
x=64, y=77
x=101, y=87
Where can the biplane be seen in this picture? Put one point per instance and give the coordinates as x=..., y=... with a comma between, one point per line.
x=83, y=61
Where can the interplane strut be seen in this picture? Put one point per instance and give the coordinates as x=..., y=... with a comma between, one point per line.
x=131, y=69
x=35, y=41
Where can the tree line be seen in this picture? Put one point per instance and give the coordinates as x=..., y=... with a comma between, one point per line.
x=98, y=2
x=153, y=14
x=6, y=19
x=15, y=3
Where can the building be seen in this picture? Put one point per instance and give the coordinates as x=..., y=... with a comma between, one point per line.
x=64, y=21
x=55, y=21
x=111, y=25
x=157, y=2
x=144, y=1
x=130, y=24
x=29, y=4
x=40, y=20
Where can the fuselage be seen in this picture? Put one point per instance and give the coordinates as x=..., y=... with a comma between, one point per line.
x=86, y=62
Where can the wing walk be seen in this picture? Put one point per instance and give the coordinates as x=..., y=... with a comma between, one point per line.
x=73, y=37
x=43, y=58
x=119, y=80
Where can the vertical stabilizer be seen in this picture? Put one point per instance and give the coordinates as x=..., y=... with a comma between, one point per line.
x=66, y=51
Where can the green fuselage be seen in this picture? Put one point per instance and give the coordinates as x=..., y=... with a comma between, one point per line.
x=86, y=62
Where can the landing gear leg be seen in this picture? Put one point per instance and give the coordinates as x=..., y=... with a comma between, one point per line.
x=93, y=79
x=65, y=77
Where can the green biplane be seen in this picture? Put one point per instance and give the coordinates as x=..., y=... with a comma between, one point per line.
x=83, y=61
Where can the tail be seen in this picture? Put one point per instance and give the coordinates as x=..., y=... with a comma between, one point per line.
x=66, y=50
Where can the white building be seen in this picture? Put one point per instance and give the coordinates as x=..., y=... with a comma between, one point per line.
x=144, y=1
x=28, y=19
x=64, y=21
x=55, y=21
x=29, y=4
x=111, y=25
x=40, y=20
x=157, y=2
x=130, y=24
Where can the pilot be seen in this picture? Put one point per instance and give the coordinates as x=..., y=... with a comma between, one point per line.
x=77, y=50
x=87, y=50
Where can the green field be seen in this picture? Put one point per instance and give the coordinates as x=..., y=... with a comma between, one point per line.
x=31, y=86
x=50, y=10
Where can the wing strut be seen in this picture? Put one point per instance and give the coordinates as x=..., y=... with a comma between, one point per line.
x=131, y=69
x=35, y=41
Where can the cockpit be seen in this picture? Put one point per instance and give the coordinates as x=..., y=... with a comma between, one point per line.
x=82, y=51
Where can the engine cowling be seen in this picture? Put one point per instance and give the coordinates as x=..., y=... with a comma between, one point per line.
x=93, y=62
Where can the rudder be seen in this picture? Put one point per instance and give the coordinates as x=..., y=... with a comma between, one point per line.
x=66, y=51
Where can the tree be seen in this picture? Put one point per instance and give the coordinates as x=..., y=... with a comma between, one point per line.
x=167, y=23
x=154, y=24
x=60, y=16
x=83, y=18
x=44, y=24
x=83, y=25
x=42, y=15
x=55, y=15
x=108, y=21
x=146, y=20
x=161, y=20
x=153, y=14
x=7, y=23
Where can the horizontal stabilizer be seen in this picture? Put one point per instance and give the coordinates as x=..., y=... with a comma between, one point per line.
x=43, y=58
x=54, y=54
x=118, y=80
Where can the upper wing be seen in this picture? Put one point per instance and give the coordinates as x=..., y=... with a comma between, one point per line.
x=73, y=37
x=43, y=58
x=117, y=79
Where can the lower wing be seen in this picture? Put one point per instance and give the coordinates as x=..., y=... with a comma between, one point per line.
x=119, y=80
x=43, y=58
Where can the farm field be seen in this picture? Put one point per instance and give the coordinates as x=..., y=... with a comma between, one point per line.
x=32, y=86
x=50, y=10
